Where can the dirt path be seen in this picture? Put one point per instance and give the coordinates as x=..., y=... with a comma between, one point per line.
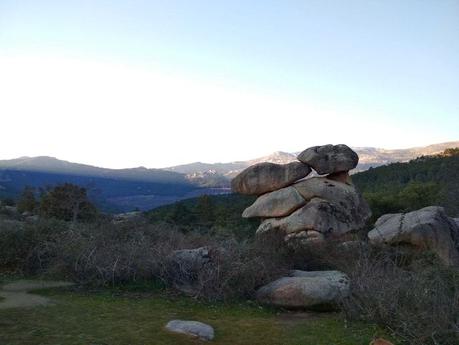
x=16, y=294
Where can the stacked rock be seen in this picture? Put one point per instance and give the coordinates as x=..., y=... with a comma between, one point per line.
x=306, y=210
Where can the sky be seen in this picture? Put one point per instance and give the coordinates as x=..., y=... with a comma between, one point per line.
x=159, y=83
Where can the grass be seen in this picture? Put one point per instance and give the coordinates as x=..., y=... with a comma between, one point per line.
x=138, y=318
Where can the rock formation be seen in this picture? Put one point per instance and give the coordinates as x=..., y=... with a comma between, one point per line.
x=309, y=210
x=426, y=229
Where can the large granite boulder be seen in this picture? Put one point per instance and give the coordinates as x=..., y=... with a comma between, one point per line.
x=333, y=208
x=305, y=289
x=329, y=159
x=318, y=215
x=267, y=177
x=279, y=203
x=426, y=229
x=341, y=194
x=194, y=329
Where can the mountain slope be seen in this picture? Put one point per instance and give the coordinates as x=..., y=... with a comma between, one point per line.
x=204, y=173
x=113, y=190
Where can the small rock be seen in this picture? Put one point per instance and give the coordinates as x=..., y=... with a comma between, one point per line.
x=192, y=328
x=329, y=159
x=267, y=177
x=305, y=289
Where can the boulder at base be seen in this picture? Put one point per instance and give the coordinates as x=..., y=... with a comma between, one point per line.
x=266, y=177
x=426, y=229
x=305, y=289
x=329, y=159
x=192, y=328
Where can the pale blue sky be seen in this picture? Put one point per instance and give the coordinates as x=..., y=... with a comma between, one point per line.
x=243, y=78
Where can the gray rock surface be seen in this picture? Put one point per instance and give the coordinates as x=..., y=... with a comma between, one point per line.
x=191, y=257
x=328, y=159
x=267, y=177
x=333, y=208
x=187, y=263
x=191, y=328
x=279, y=203
x=426, y=229
x=305, y=289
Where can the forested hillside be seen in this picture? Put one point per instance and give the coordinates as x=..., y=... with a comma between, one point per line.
x=429, y=180
x=397, y=187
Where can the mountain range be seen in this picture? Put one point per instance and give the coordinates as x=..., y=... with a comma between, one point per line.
x=119, y=190
x=368, y=157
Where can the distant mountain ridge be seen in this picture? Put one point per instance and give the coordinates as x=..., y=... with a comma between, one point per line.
x=127, y=189
x=368, y=157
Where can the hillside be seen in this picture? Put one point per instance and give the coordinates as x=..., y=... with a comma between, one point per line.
x=119, y=190
x=406, y=186
x=395, y=187
x=113, y=190
x=219, y=174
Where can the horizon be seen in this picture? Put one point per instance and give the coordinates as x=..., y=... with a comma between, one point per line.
x=159, y=85
x=212, y=163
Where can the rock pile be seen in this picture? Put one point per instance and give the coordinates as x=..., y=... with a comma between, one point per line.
x=306, y=210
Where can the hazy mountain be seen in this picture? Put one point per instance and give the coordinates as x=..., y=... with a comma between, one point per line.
x=53, y=165
x=127, y=189
x=369, y=157
x=111, y=189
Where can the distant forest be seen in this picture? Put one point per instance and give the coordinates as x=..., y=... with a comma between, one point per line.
x=397, y=187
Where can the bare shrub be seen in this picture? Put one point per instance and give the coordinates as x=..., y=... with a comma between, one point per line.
x=413, y=295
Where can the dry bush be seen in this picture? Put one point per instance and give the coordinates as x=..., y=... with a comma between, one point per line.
x=413, y=295
x=108, y=254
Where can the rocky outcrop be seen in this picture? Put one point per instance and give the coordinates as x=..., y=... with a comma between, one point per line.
x=313, y=209
x=426, y=229
x=317, y=216
x=329, y=159
x=194, y=329
x=305, y=289
x=266, y=177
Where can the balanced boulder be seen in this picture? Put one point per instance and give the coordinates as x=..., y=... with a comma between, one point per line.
x=329, y=159
x=266, y=177
x=305, y=289
x=279, y=203
x=426, y=229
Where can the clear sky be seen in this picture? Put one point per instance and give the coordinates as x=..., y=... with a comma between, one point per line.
x=159, y=83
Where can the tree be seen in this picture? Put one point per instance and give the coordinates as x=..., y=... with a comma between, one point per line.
x=27, y=201
x=205, y=210
x=67, y=202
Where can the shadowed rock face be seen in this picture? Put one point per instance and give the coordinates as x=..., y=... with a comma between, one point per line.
x=426, y=229
x=305, y=289
x=266, y=177
x=279, y=203
x=329, y=159
x=331, y=209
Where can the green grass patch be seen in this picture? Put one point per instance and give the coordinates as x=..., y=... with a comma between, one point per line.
x=138, y=317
